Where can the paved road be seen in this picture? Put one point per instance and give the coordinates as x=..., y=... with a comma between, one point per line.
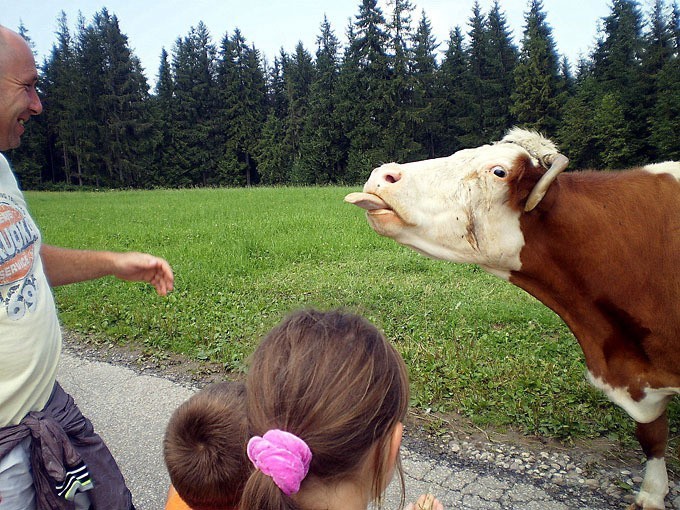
x=130, y=411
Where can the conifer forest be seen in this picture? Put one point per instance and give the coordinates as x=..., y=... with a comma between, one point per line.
x=380, y=89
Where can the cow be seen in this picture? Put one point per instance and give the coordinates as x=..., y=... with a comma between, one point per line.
x=600, y=248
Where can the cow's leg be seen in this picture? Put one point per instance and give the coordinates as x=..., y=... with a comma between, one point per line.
x=653, y=438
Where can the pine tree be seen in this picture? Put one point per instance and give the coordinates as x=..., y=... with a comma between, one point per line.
x=617, y=68
x=675, y=27
x=398, y=137
x=617, y=55
x=456, y=110
x=299, y=74
x=242, y=93
x=164, y=83
x=276, y=86
x=118, y=98
x=367, y=90
x=537, y=85
x=577, y=131
x=165, y=147
x=665, y=118
x=478, y=52
x=195, y=102
x=275, y=160
x=612, y=132
x=566, y=77
x=426, y=100
x=499, y=84
x=322, y=144
x=348, y=94
x=65, y=109
x=658, y=52
x=658, y=41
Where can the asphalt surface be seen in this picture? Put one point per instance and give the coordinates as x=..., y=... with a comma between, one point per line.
x=130, y=411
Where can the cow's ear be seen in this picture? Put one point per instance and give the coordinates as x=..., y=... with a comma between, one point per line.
x=524, y=175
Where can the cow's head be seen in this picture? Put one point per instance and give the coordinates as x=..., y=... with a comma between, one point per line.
x=466, y=207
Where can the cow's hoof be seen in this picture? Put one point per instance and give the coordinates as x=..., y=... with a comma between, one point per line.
x=635, y=506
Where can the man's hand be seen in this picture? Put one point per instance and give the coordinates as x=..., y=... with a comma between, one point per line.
x=142, y=267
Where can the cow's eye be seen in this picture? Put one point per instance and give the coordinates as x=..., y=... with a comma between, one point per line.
x=499, y=171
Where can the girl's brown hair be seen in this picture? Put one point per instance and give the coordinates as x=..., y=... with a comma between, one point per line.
x=333, y=380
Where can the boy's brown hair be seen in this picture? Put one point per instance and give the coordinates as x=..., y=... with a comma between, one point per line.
x=205, y=447
x=333, y=380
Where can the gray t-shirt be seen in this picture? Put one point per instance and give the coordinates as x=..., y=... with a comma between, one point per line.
x=30, y=337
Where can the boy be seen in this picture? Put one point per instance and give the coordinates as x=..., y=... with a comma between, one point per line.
x=205, y=449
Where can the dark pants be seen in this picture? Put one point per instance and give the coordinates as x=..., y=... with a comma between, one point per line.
x=109, y=491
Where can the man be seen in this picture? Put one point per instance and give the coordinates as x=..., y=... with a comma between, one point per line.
x=50, y=457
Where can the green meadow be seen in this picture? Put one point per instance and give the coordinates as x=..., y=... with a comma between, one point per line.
x=243, y=258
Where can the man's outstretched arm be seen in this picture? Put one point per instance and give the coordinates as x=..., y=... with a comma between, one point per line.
x=63, y=266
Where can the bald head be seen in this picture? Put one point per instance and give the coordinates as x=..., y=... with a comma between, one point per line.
x=10, y=42
x=18, y=97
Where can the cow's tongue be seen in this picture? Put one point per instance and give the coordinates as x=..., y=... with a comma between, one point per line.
x=366, y=201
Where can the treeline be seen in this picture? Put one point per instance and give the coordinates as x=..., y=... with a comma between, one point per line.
x=221, y=116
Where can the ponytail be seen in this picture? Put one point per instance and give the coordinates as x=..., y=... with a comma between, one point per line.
x=261, y=493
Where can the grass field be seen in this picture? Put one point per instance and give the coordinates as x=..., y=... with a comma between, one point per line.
x=243, y=258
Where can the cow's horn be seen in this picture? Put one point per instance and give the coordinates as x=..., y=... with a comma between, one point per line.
x=558, y=163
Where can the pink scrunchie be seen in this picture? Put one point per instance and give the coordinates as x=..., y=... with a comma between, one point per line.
x=282, y=456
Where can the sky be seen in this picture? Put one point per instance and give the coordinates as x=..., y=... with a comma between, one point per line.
x=270, y=25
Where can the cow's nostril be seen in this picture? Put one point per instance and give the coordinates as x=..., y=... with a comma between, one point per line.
x=392, y=177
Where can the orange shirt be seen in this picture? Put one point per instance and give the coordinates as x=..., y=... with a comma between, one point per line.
x=175, y=502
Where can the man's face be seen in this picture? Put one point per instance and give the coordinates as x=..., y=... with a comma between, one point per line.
x=18, y=97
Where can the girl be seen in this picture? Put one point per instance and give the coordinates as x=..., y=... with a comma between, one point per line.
x=326, y=397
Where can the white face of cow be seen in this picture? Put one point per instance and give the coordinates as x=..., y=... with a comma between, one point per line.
x=454, y=208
